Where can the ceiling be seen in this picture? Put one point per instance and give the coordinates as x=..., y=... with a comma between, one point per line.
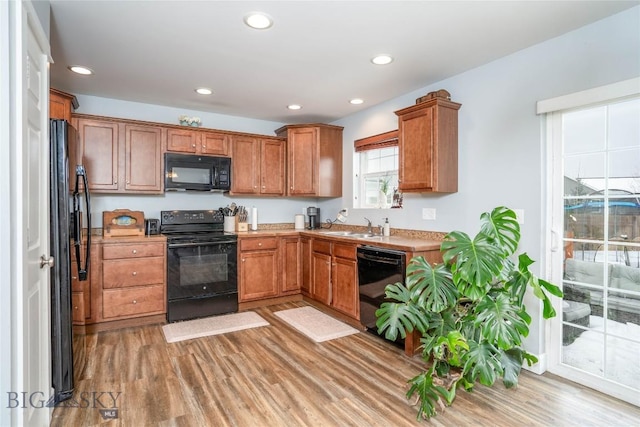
x=316, y=54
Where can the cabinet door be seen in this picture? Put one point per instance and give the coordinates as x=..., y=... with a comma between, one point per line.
x=143, y=158
x=59, y=106
x=415, y=150
x=272, y=167
x=345, y=287
x=245, y=168
x=258, y=275
x=305, y=248
x=183, y=141
x=303, y=162
x=321, y=284
x=290, y=261
x=214, y=143
x=98, y=147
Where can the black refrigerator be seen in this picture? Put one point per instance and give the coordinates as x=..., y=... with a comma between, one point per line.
x=66, y=235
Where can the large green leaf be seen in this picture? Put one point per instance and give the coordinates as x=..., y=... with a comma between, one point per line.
x=482, y=363
x=501, y=225
x=433, y=285
x=501, y=321
x=474, y=263
x=512, y=364
x=522, y=278
x=398, y=317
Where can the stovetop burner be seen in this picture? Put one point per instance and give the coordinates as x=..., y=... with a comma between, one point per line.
x=193, y=225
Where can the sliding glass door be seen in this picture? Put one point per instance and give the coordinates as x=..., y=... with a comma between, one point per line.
x=597, y=150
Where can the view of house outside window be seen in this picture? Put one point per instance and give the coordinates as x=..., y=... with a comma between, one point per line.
x=378, y=177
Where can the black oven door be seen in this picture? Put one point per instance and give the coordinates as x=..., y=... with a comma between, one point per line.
x=202, y=269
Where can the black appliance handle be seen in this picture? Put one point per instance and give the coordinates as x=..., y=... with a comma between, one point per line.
x=81, y=173
x=384, y=260
x=194, y=244
x=214, y=178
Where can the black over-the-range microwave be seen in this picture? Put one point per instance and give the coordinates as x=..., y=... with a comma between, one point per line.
x=194, y=172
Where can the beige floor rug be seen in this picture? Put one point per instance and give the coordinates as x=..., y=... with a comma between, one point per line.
x=315, y=324
x=215, y=325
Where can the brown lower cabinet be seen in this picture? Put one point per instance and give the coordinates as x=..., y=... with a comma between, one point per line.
x=335, y=276
x=128, y=282
x=268, y=267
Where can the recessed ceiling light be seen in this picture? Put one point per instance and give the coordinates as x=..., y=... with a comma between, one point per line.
x=294, y=107
x=79, y=69
x=258, y=20
x=382, y=59
x=204, y=91
x=356, y=101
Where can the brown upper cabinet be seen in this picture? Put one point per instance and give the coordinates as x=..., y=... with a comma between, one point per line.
x=120, y=156
x=61, y=104
x=428, y=147
x=314, y=159
x=197, y=142
x=258, y=166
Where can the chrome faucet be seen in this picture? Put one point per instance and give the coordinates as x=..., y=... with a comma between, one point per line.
x=369, y=227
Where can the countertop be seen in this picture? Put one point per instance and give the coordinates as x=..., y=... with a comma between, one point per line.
x=395, y=241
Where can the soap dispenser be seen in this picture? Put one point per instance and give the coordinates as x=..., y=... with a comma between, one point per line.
x=386, y=231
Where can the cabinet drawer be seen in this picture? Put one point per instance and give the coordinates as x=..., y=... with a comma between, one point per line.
x=133, y=301
x=344, y=250
x=137, y=250
x=322, y=246
x=120, y=273
x=258, y=244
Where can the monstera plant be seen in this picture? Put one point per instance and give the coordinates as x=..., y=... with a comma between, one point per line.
x=469, y=311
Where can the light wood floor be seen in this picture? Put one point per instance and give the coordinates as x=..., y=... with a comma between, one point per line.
x=274, y=376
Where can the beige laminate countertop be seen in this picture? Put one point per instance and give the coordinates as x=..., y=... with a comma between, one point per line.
x=396, y=241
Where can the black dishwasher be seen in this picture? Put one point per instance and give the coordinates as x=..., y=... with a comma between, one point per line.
x=377, y=268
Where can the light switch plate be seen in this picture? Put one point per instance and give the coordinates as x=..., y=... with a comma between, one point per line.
x=429, y=213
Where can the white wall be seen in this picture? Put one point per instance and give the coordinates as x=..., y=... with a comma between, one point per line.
x=500, y=136
x=270, y=209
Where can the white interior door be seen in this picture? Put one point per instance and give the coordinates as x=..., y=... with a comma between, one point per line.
x=596, y=205
x=32, y=361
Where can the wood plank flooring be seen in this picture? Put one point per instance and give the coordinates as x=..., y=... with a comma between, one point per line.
x=274, y=376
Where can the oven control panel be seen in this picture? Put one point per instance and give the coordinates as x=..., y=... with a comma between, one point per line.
x=191, y=217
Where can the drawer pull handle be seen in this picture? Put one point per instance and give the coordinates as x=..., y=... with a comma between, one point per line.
x=135, y=273
x=135, y=251
x=259, y=244
x=135, y=301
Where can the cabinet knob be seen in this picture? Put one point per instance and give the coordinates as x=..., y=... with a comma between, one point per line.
x=263, y=187
x=260, y=244
x=127, y=182
x=242, y=259
x=193, y=145
x=135, y=251
x=204, y=146
x=74, y=278
x=255, y=186
x=115, y=182
x=135, y=273
x=291, y=187
x=135, y=301
x=75, y=307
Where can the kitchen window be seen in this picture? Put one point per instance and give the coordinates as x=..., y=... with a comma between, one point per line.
x=376, y=176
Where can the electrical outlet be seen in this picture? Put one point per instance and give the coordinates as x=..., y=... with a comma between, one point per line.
x=519, y=215
x=429, y=213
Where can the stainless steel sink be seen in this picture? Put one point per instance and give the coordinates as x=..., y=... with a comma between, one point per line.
x=337, y=233
x=364, y=235
x=350, y=234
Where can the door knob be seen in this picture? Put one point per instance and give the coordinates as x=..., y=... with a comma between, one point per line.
x=46, y=262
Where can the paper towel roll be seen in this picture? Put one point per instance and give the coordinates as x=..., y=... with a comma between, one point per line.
x=254, y=218
x=299, y=222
